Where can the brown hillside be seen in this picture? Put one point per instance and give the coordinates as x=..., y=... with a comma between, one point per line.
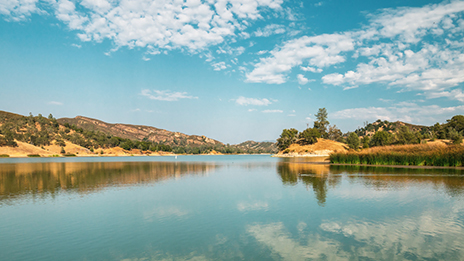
x=322, y=147
x=138, y=132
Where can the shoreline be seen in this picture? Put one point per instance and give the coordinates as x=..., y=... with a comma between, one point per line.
x=382, y=166
x=125, y=155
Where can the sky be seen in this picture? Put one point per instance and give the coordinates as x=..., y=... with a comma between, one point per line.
x=233, y=70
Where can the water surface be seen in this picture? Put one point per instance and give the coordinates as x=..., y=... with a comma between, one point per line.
x=226, y=207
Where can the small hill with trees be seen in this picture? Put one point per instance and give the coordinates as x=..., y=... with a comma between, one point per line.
x=376, y=134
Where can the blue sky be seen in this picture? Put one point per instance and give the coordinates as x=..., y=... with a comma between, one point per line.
x=233, y=70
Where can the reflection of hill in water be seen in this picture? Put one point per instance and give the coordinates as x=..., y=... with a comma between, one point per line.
x=321, y=177
x=38, y=178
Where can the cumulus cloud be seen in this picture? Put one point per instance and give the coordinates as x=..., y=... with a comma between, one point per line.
x=219, y=66
x=166, y=95
x=409, y=112
x=272, y=111
x=319, y=51
x=17, y=10
x=413, y=48
x=192, y=25
x=269, y=30
x=302, y=80
x=252, y=101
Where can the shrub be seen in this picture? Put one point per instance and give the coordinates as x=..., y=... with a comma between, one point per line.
x=33, y=155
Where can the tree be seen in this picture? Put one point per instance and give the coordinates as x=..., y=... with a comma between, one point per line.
x=456, y=122
x=455, y=136
x=380, y=138
x=309, y=136
x=335, y=134
x=405, y=136
x=287, y=138
x=365, y=142
x=353, y=140
x=322, y=123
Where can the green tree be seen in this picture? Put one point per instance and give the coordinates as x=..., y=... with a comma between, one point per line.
x=406, y=136
x=287, y=138
x=455, y=136
x=380, y=138
x=365, y=142
x=456, y=122
x=335, y=133
x=322, y=123
x=353, y=140
x=309, y=136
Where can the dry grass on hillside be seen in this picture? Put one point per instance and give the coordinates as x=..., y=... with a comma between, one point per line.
x=23, y=149
x=412, y=148
x=322, y=147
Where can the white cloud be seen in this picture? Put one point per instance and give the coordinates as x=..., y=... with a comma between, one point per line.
x=190, y=25
x=302, y=80
x=76, y=45
x=219, y=66
x=272, y=111
x=414, y=49
x=252, y=101
x=319, y=51
x=404, y=111
x=311, y=69
x=269, y=30
x=55, y=103
x=166, y=95
x=18, y=10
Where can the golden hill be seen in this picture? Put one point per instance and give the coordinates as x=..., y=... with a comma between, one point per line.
x=322, y=147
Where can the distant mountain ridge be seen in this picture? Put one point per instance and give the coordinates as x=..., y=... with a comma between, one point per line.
x=93, y=134
x=139, y=132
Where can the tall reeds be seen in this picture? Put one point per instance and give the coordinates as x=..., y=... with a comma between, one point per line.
x=414, y=155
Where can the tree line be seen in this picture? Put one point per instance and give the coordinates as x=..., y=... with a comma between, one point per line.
x=384, y=133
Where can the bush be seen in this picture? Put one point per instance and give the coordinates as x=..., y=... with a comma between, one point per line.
x=4, y=155
x=33, y=155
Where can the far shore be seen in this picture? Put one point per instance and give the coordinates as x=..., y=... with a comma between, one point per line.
x=125, y=155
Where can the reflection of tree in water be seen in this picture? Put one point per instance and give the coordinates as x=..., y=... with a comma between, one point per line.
x=315, y=176
x=49, y=178
x=451, y=179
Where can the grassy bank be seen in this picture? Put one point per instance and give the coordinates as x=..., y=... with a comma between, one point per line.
x=408, y=155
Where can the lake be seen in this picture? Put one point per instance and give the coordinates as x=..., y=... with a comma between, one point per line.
x=240, y=207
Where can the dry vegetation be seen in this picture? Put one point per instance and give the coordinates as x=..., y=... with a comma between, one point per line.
x=322, y=147
x=435, y=154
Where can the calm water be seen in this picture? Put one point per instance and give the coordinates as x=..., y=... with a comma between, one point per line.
x=226, y=208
